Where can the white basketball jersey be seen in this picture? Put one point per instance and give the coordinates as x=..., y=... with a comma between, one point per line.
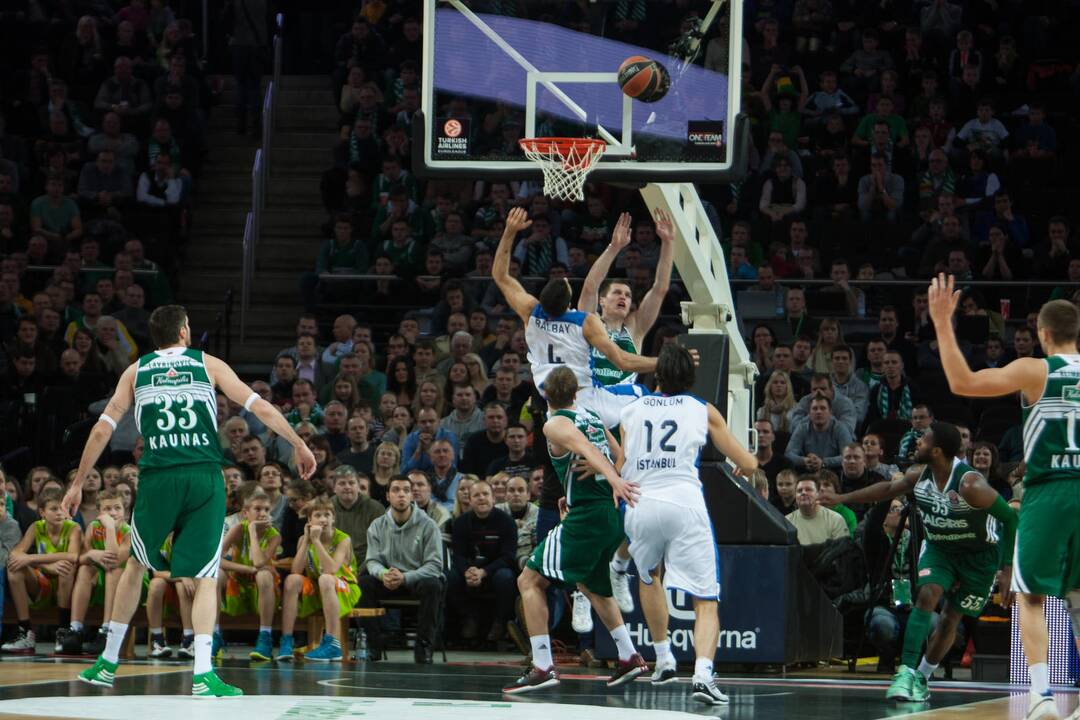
x=557, y=341
x=662, y=438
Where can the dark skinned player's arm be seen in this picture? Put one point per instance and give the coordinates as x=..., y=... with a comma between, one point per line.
x=978, y=494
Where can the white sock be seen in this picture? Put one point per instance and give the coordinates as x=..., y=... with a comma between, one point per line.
x=927, y=669
x=623, y=643
x=202, y=654
x=1040, y=678
x=76, y=626
x=541, y=651
x=618, y=564
x=157, y=631
x=703, y=669
x=114, y=642
x=188, y=633
x=663, y=653
x=265, y=628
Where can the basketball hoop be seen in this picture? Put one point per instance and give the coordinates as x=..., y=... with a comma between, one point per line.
x=565, y=162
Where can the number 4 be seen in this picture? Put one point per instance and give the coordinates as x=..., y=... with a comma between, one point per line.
x=553, y=359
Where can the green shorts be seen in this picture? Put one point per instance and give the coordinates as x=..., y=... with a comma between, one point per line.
x=967, y=577
x=188, y=501
x=1047, y=557
x=579, y=549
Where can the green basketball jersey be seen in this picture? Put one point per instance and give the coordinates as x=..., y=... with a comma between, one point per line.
x=584, y=488
x=1051, y=444
x=604, y=371
x=97, y=534
x=243, y=556
x=951, y=523
x=176, y=409
x=44, y=545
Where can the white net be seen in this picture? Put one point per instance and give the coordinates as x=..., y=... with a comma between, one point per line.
x=565, y=162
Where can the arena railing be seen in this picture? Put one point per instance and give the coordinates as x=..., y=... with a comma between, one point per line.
x=260, y=176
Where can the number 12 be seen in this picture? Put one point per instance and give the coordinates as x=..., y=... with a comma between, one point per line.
x=670, y=425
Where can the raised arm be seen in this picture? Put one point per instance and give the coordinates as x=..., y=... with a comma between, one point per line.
x=978, y=494
x=642, y=320
x=562, y=432
x=589, y=300
x=263, y=558
x=235, y=389
x=597, y=336
x=901, y=484
x=1027, y=375
x=745, y=461
x=516, y=296
x=100, y=435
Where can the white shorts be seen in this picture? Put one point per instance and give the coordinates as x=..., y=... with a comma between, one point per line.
x=608, y=402
x=679, y=535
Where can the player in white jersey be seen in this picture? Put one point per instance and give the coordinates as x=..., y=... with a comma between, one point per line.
x=669, y=527
x=558, y=336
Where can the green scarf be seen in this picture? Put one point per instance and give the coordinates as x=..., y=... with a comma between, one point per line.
x=903, y=409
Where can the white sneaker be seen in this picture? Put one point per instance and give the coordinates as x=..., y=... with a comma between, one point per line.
x=663, y=673
x=25, y=643
x=706, y=691
x=581, y=619
x=160, y=650
x=620, y=588
x=1042, y=707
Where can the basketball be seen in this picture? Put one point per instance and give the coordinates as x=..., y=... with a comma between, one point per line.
x=643, y=79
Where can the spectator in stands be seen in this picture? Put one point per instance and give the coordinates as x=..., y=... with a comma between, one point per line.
x=424, y=499
x=404, y=560
x=353, y=512
x=894, y=397
x=517, y=460
x=461, y=344
x=881, y=192
x=305, y=405
x=341, y=254
x=484, y=546
x=769, y=460
x=251, y=457
x=415, y=450
x=456, y=247
x=921, y=417
x=782, y=195
x=842, y=409
x=864, y=66
x=778, y=399
x=540, y=249
x=816, y=442
x=335, y=415
x=111, y=137
x=1024, y=343
x=484, y=448
x=801, y=351
x=815, y=524
x=285, y=373
x=524, y=513
x=56, y=216
x=359, y=454
x=796, y=315
x=104, y=188
x=466, y=418
x=158, y=187
x=127, y=96
x=847, y=384
x=828, y=99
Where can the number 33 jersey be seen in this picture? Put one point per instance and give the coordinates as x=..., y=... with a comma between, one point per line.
x=176, y=409
x=662, y=438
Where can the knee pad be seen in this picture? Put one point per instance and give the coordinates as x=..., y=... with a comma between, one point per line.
x=1072, y=602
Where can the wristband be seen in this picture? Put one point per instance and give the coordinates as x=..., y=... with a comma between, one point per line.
x=251, y=401
x=108, y=420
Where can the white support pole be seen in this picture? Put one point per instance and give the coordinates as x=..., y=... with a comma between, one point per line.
x=700, y=262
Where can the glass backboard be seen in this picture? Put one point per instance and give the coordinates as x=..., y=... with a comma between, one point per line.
x=496, y=71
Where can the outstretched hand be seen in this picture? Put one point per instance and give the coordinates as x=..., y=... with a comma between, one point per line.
x=72, y=500
x=665, y=228
x=517, y=220
x=620, y=235
x=624, y=490
x=943, y=297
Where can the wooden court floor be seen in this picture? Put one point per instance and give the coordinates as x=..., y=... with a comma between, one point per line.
x=45, y=688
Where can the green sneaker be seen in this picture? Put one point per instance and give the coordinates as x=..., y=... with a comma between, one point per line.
x=209, y=685
x=101, y=673
x=920, y=688
x=900, y=690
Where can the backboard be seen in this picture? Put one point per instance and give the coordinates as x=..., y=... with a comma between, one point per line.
x=495, y=71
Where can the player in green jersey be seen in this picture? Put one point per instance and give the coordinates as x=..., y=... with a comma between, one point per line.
x=577, y=552
x=1047, y=559
x=961, y=555
x=181, y=486
x=627, y=328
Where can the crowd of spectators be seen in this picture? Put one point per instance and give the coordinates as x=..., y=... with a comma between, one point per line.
x=890, y=141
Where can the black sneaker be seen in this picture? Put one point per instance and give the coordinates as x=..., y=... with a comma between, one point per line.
x=533, y=679
x=708, y=692
x=96, y=645
x=422, y=652
x=69, y=642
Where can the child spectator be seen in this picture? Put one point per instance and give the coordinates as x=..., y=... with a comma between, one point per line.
x=323, y=578
x=41, y=570
x=106, y=546
x=251, y=583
